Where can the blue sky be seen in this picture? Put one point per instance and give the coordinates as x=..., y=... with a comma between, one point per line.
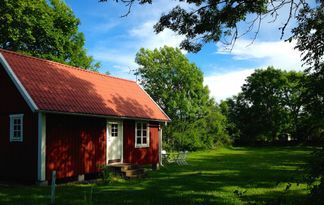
x=114, y=42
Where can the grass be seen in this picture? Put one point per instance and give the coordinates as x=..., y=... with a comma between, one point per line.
x=256, y=175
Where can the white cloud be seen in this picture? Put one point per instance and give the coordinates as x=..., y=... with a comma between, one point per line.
x=104, y=27
x=147, y=38
x=226, y=85
x=141, y=36
x=118, y=52
x=277, y=53
x=280, y=54
x=120, y=64
x=123, y=61
x=137, y=32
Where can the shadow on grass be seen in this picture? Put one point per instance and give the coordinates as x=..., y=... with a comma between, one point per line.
x=211, y=178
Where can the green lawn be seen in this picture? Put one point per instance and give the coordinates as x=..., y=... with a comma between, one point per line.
x=211, y=178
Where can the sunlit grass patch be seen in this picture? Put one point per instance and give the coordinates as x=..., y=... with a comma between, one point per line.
x=224, y=176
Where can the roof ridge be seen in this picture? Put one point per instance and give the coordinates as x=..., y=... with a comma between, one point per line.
x=62, y=64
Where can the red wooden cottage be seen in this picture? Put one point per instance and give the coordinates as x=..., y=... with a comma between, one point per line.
x=58, y=117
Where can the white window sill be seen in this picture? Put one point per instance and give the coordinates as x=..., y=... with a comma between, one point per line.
x=16, y=140
x=142, y=146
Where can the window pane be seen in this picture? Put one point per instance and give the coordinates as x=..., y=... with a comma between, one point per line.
x=16, y=128
x=16, y=134
x=114, y=130
x=142, y=133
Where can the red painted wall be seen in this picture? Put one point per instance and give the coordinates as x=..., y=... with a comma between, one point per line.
x=18, y=159
x=74, y=145
x=149, y=155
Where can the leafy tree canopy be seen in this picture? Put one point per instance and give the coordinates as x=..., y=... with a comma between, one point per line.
x=177, y=86
x=44, y=28
x=310, y=35
x=270, y=104
x=215, y=20
x=173, y=82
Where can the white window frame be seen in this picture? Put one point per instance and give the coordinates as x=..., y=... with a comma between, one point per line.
x=147, y=135
x=112, y=133
x=12, y=120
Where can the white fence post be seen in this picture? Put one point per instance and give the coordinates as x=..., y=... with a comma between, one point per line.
x=53, y=187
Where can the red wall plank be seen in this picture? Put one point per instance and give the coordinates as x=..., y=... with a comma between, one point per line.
x=74, y=145
x=18, y=159
x=149, y=155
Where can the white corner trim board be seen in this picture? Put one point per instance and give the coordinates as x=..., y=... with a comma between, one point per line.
x=18, y=84
x=41, y=159
x=160, y=144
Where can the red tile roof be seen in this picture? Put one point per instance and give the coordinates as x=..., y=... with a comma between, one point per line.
x=61, y=88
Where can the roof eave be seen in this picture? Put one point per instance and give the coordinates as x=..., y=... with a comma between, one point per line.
x=169, y=119
x=103, y=116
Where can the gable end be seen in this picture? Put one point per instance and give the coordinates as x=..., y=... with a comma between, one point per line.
x=18, y=84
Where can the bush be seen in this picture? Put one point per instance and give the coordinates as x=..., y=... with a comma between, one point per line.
x=315, y=176
x=106, y=174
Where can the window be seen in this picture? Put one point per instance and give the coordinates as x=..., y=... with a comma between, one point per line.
x=16, y=128
x=142, y=138
x=114, y=130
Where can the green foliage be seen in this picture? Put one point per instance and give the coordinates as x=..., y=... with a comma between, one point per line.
x=263, y=92
x=310, y=34
x=315, y=176
x=45, y=29
x=210, y=21
x=228, y=109
x=106, y=174
x=177, y=86
x=270, y=105
x=204, y=21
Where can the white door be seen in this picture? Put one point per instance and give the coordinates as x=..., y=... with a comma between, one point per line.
x=114, y=141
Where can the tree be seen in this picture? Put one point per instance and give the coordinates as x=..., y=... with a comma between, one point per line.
x=177, y=86
x=294, y=97
x=45, y=29
x=263, y=92
x=270, y=104
x=310, y=35
x=239, y=125
x=215, y=20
